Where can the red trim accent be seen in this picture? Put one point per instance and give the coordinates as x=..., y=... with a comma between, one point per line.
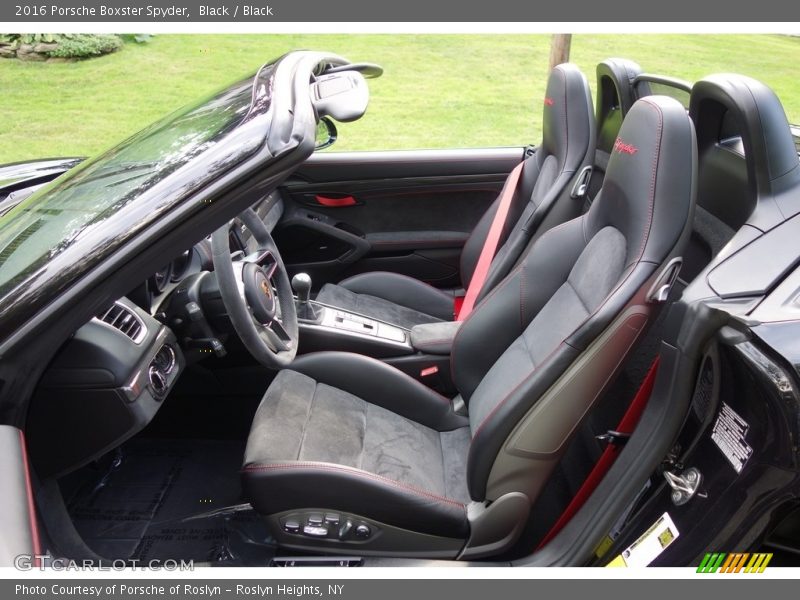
x=490, y=245
x=34, y=526
x=335, y=202
x=352, y=471
x=427, y=371
x=458, y=302
x=626, y=425
x=549, y=102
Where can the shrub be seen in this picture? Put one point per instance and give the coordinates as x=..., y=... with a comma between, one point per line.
x=85, y=45
x=40, y=46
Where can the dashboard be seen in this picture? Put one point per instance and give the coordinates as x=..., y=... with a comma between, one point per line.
x=110, y=378
x=151, y=294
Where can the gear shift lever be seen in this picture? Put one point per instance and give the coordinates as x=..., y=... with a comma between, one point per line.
x=301, y=284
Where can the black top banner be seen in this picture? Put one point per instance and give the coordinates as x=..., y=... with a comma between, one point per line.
x=464, y=11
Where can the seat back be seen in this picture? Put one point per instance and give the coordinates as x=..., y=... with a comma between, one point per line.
x=747, y=157
x=536, y=353
x=615, y=96
x=567, y=145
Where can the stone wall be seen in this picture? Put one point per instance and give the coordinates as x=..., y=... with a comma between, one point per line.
x=39, y=52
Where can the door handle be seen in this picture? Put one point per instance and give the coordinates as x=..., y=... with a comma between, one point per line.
x=335, y=202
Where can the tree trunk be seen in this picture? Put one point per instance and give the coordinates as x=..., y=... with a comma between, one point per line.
x=559, y=49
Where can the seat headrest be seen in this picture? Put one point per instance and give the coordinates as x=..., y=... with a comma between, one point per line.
x=568, y=118
x=769, y=149
x=615, y=96
x=649, y=189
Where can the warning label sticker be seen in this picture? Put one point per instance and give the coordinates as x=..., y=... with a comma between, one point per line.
x=729, y=434
x=649, y=545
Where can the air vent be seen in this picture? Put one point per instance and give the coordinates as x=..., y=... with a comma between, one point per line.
x=125, y=320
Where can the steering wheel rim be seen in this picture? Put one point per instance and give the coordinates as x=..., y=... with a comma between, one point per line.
x=269, y=334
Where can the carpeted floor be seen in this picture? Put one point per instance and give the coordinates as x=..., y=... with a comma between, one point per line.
x=168, y=499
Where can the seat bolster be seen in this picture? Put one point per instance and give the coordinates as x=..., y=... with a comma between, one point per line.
x=328, y=486
x=382, y=385
x=403, y=290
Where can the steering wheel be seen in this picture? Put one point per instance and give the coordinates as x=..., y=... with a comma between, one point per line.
x=265, y=320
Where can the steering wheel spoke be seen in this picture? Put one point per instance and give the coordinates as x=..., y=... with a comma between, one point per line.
x=264, y=258
x=277, y=336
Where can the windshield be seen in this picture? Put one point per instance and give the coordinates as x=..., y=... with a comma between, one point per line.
x=90, y=210
x=49, y=222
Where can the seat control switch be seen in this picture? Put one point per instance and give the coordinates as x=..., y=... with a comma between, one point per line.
x=315, y=531
x=291, y=526
x=345, y=529
x=363, y=531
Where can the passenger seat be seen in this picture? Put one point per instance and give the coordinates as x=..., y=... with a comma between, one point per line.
x=567, y=146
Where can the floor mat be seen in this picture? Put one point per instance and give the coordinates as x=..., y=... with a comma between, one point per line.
x=159, y=499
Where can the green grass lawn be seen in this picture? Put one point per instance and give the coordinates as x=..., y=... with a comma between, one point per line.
x=437, y=90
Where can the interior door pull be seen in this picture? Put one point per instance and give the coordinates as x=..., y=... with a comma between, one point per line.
x=335, y=202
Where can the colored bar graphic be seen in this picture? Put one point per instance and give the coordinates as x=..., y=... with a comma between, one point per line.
x=736, y=562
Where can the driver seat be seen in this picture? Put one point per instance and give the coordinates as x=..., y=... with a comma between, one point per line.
x=348, y=455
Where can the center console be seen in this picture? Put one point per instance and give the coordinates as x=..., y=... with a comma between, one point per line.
x=423, y=352
x=325, y=327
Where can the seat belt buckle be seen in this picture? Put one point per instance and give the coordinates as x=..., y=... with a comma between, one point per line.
x=613, y=438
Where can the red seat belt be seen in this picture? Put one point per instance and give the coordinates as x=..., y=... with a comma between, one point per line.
x=490, y=245
x=458, y=302
x=626, y=426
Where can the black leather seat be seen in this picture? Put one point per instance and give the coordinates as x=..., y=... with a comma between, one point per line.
x=747, y=157
x=395, y=465
x=567, y=145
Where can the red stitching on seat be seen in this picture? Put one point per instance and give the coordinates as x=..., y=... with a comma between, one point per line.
x=657, y=155
x=566, y=120
x=484, y=300
x=496, y=289
x=522, y=299
x=656, y=158
x=516, y=387
x=352, y=471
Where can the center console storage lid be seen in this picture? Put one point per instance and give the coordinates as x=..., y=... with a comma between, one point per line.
x=434, y=338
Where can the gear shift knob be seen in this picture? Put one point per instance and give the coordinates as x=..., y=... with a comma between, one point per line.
x=301, y=284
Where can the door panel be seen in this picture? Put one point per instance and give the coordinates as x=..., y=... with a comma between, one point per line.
x=17, y=521
x=409, y=212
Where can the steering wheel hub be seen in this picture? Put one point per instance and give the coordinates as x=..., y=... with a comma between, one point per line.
x=258, y=293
